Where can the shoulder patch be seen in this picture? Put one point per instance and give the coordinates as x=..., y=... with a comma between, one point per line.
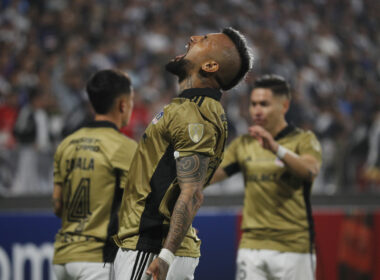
x=196, y=131
x=157, y=117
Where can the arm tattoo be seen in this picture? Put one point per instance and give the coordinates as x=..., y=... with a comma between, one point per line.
x=192, y=169
x=191, y=172
x=182, y=217
x=180, y=223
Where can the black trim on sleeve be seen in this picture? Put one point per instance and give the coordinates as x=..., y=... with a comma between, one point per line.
x=151, y=224
x=232, y=168
x=110, y=248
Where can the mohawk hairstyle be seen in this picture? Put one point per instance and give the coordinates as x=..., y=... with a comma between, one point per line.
x=245, y=55
x=277, y=84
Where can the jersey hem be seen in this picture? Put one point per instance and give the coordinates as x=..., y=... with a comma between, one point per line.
x=271, y=245
x=80, y=258
x=180, y=252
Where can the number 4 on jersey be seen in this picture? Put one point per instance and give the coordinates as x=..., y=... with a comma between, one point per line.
x=79, y=207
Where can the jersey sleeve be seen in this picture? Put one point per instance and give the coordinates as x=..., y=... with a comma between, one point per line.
x=58, y=176
x=121, y=159
x=190, y=134
x=310, y=145
x=230, y=162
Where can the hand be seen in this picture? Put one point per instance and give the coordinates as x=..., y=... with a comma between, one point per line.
x=158, y=269
x=264, y=137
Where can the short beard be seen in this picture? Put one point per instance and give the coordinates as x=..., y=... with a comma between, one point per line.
x=179, y=68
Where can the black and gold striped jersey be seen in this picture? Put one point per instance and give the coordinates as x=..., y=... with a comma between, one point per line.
x=194, y=122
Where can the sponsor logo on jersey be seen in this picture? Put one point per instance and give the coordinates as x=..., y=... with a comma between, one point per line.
x=264, y=177
x=157, y=117
x=196, y=132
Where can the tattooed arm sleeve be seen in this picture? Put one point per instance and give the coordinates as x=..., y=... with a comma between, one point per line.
x=191, y=174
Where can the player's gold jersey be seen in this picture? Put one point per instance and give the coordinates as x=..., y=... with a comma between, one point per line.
x=91, y=165
x=277, y=210
x=194, y=122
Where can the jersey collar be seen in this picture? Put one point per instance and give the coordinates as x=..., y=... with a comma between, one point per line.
x=98, y=124
x=288, y=129
x=209, y=92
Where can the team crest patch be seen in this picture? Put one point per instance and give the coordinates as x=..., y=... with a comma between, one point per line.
x=196, y=132
x=157, y=117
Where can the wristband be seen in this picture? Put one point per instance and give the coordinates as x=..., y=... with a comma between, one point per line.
x=281, y=152
x=166, y=256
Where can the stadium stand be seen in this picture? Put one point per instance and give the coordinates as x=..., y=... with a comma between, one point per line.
x=327, y=49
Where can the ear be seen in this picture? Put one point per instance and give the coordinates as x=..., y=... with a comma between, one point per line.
x=286, y=105
x=210, y=66
x=121, y=105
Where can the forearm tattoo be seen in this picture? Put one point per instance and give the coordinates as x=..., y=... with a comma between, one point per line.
x=192, y=169
x=179, y=224
x=192, y=172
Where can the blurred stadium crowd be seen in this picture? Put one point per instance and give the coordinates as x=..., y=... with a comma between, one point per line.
x=327, y=49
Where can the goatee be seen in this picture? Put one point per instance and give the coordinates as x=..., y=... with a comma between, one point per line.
x=178, y=68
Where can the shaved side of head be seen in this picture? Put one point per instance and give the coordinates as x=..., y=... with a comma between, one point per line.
x=236, y=59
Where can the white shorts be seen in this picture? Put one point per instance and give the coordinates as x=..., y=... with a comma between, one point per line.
x=84, y=271
x=132, y=265
x=273, y=265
